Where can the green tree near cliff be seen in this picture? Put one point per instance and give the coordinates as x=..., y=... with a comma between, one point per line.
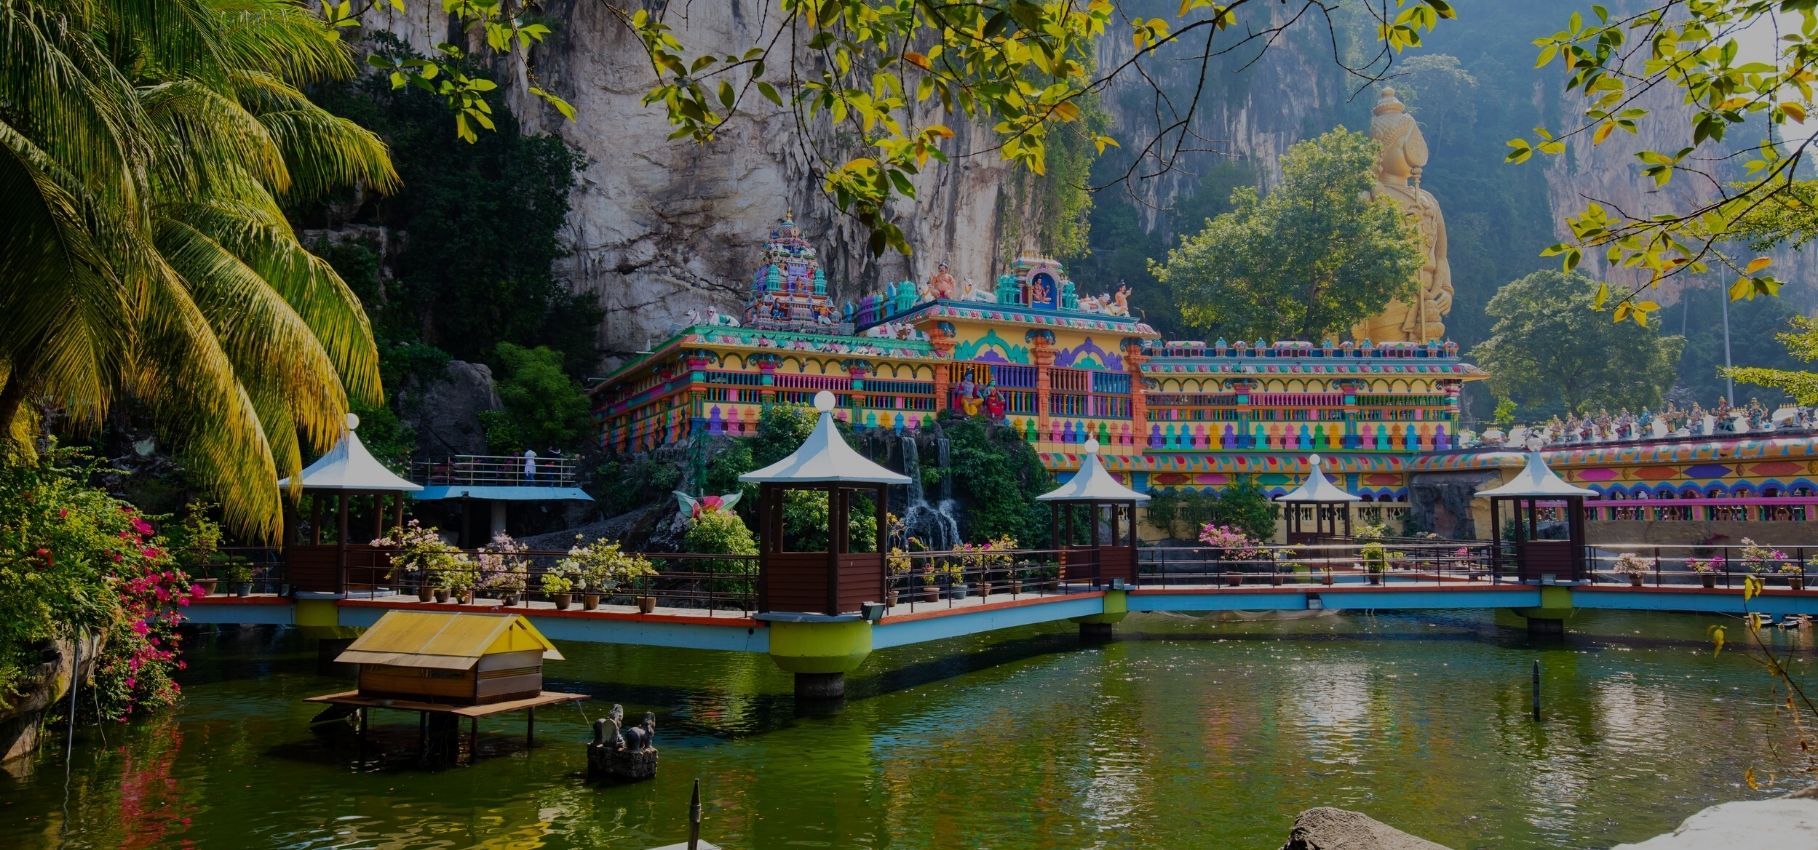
x=1551, y=353
x=542, y=406
x=1306, y=261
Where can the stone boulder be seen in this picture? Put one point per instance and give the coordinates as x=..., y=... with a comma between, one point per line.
x=22, y=714
x=446, y=412
x=1327, y=828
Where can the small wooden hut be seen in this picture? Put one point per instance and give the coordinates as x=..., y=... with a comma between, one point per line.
x=453, y=658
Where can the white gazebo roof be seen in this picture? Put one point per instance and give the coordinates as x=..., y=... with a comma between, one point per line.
x=349, y=466
x=824, y=458
x=1535, y=481
x=1317, y=488
x=1092, y=483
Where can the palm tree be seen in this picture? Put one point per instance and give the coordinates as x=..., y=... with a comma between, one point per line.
x=145, y=148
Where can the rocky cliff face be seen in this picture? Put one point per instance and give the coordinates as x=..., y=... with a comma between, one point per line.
x=661, y=227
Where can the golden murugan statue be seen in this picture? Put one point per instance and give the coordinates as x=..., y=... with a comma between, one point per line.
x=1398, y=167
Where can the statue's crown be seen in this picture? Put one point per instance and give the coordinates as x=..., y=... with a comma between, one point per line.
x=1388, y=102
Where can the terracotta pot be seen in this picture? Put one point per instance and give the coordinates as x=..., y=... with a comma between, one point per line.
x=1016, y=586
x=1326, y=579
x=208, y=585
x=931, y=593
x=561, y=600
x=1634, y=581
x=891, y=598
x=425, y=593
x=590, y=601
x=466, y=597
x=1796, y=582
x=1234, y=580
x=1709, y=582
x=646, y=604
x=441, y=595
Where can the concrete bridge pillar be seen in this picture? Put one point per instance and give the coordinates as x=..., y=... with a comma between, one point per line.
x=1548, y=620
x=820, y=650
x=1097, y=627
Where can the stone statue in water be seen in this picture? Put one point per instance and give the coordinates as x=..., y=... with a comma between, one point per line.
x=1398, y=168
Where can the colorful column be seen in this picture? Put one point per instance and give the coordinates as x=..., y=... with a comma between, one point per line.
x=857, y=370
x=1041, y=353
x=941, y=339
x=1134, y=358
x=766, y=364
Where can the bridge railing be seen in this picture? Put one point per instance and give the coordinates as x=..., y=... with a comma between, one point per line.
x=1345, y=562
x=1700, y=566
x=950, y=578
x=709, y=583
x=497, y=470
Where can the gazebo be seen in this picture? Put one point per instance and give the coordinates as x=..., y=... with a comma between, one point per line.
x=1103, y=558
x=1536, y=558
x=347, y=472
x=837, y=581
x=1327, y=503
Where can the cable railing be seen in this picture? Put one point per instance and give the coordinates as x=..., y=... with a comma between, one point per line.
x=1347, y=562
x=1702, y=567
x=949, y=579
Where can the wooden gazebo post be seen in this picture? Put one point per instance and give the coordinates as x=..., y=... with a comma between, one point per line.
x=1108, y=559
x=815, y=604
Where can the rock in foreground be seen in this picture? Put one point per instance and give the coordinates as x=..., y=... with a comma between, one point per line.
x=1785, y=822
x=1327, y=828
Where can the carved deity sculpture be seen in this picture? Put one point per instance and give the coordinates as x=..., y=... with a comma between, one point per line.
x=942, y=285
x=1398, y=168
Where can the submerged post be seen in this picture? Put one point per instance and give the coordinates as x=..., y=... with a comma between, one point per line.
x=1536, y=690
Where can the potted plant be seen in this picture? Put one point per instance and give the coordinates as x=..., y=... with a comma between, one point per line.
x=600, y=567
x=503, y=568
x=931, y=577
x=1633, y=566
x=1707, y=569
x=1761, y=560
x=954, y=575
x=461, y=580
x=1795, y=575
x=1231, y=547
x=636, y=571
x=557, y=586
x=239, y=574
x=1375, y=559
x=195, y=544
x=897, y=563
x=418, y=555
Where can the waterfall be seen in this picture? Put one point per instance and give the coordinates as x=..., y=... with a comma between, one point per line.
x=934, y=525
x=941, y=446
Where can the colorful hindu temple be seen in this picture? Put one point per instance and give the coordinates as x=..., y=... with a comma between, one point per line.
x=1036, y=353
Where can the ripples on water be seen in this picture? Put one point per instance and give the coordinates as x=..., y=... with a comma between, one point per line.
x=1184, y=733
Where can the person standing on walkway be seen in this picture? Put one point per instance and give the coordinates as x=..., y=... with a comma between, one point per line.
x=530, y=466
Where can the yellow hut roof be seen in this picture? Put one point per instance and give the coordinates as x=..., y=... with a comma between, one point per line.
x=446, y=641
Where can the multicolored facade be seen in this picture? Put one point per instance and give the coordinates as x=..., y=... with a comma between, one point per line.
x=1059, y=367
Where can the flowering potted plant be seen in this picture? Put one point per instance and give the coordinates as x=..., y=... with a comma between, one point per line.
x=931, y=577
x=557, y=585
x=1706, y=568
x=1232, y=545
x=1760, y=560
x=503, y=568
x=1631, y=565
x=897, y=561
x=419, y=554
x=602, y=566
x=1375, y=558
x=1795, y=575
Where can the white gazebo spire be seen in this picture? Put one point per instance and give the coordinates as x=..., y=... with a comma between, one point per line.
x=349, y=466
x=1317, y=488
x=1536, y=481
x=824, y=458
x=1092, y=483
